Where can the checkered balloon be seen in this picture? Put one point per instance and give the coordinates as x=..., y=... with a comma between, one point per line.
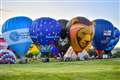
x=7, y=57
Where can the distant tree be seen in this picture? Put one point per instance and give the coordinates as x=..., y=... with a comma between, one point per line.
x=116, y=55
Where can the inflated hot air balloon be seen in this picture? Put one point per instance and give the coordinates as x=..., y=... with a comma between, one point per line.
x=63, y=43
x=7, y=57
x=81, y=32
x=16, y=32
x=114, y=40
x=104, y=39
x=45, y=32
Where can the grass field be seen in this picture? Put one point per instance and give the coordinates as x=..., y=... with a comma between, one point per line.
x=108, y=69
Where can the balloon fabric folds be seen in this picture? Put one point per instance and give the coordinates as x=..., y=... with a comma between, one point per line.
x=16, y=32
x=80, y=32
x=106, y=35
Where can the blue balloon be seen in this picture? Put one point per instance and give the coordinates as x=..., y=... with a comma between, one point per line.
x=55, y=52
x=114, y=40
x=16, y=32
x=103, y=34
x=45, y=31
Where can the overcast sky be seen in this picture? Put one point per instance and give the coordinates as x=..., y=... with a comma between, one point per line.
x=58, y=9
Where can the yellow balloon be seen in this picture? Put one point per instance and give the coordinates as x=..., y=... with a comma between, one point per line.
x=34, y=49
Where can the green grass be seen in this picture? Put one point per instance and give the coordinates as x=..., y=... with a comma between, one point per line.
x=108, y=69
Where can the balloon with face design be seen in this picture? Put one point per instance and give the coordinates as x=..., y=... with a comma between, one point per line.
x=81, y=32
x=63, y=42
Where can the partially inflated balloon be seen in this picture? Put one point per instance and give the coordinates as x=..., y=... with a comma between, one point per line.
x=7, y=57
x=63, y=43
x=81, y=32
x=103, y=34
x=16, y=32
x=33, y=50
x=55, y=52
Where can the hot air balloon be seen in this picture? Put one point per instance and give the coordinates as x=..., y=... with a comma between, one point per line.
x=56, y=53
x=45, y=32
x=103, y=38
x=33, y=50
x=63, y=42
x=16, y=32
x=7, y=57
x=114, y=40
x=81, y=32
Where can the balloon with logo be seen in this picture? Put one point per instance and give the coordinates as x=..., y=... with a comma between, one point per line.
x=63, y=43
x=45, y=32
x=7, y=57
x=81, y=32
x=16, y=32
x=103, y=35
x=114, y=40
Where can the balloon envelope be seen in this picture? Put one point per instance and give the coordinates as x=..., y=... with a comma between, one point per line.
x=103, y=34
x=114, y=40
x=45, y=31
x=16, y=32
x=80, y=33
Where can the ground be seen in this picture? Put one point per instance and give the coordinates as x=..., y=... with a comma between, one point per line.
x=107, y=69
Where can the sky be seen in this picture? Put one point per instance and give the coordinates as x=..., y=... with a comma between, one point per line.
x=62, y=9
